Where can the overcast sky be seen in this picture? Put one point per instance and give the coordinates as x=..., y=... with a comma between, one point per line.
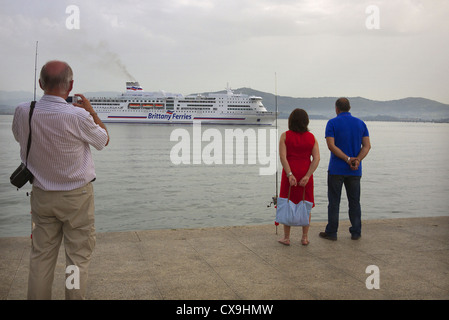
x=381, y=50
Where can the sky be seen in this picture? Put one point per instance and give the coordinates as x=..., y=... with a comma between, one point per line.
x=379, y=50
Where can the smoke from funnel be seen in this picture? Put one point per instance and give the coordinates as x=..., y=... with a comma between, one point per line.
x=110, y=60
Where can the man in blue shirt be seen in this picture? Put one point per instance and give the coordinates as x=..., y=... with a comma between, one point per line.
x=348, y=140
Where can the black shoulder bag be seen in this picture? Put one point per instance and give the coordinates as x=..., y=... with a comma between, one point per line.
x=22, y=175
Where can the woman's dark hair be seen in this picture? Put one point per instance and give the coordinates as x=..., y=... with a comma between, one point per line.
x=298, y=121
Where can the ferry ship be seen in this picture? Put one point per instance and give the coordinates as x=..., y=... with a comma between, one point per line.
x=138, y=106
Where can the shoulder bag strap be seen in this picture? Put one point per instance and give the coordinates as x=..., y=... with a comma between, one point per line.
x=29, y=135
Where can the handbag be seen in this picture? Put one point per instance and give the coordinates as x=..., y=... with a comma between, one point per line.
x=22, y=175
x=292, y=214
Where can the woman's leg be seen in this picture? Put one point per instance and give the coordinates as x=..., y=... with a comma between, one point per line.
x=286, y=239
x=305, y=231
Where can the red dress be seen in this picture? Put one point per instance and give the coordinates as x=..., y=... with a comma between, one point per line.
x=299, y=150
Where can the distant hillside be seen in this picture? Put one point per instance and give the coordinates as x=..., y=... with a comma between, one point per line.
x=9, y=100
x=407, y=109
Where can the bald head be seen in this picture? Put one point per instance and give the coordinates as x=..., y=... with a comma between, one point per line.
x=56, y=78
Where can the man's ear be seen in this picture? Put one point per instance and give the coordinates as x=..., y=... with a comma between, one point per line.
x=71, y=86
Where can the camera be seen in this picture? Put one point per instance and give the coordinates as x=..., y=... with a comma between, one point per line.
x=73, y=99
x=21, y=176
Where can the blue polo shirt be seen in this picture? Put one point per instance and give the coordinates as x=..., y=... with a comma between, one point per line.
x=348, y=132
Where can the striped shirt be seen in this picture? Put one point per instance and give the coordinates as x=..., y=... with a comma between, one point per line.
x=61, y=134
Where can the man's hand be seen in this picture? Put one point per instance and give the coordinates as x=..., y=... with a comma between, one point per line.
x=84, y=103
x=354, y=163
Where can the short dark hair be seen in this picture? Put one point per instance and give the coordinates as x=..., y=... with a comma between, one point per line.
x=343, y=105
x=298, y=120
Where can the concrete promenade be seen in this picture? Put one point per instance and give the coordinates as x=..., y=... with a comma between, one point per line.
x=247, y=262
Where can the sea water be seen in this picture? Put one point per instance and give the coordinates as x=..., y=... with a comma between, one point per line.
x=139, y=187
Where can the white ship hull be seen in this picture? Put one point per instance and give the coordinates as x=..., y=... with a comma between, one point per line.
x=164, y=117
x=137, y=106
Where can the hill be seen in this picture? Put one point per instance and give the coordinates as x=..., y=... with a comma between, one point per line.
x=407, y=109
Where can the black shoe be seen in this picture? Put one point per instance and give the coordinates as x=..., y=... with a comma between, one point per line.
x=355, y=237
x=327, y=236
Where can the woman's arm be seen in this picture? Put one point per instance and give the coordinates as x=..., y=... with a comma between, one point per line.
x=284, y=162
x=313, y=165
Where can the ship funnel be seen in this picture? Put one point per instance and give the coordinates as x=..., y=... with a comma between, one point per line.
x=133, y=86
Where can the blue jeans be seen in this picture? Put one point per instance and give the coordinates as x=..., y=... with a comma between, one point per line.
x=334, y=187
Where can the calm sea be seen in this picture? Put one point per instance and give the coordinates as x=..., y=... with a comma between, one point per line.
x=139, y=187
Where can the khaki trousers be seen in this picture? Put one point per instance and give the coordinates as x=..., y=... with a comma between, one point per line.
x=57, y=215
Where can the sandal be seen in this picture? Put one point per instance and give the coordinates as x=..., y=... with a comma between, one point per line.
x=285, y=242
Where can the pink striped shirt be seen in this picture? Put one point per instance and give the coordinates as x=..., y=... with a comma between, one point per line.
x=60, y=157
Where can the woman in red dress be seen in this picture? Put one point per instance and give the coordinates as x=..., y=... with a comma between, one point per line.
x=300, y=156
